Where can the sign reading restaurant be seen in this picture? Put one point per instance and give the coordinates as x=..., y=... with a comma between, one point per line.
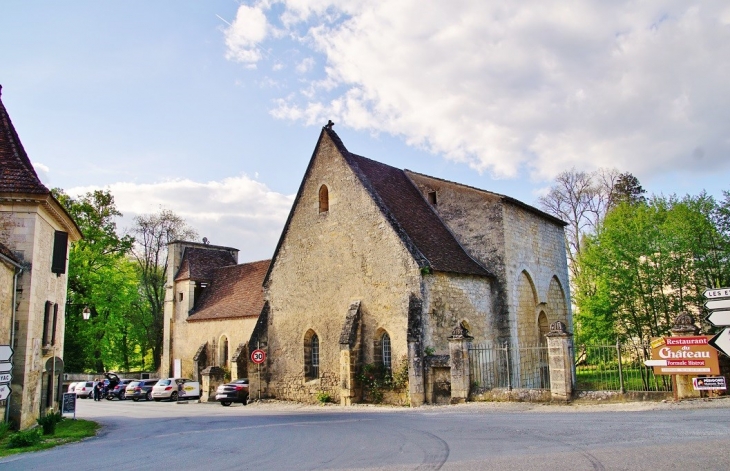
x=684, y=355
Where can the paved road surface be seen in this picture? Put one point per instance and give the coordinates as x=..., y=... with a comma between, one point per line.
x=169, y=436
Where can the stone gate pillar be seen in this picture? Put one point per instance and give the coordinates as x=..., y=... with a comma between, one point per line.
x=459, y=344
x=213, y=376
x=560, y=360
x=684, y=326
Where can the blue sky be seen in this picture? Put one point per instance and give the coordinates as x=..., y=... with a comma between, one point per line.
x=212, y=109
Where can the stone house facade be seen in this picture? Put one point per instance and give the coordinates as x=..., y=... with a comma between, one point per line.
x=378, y=265
x=212, y=304
x=37, y=230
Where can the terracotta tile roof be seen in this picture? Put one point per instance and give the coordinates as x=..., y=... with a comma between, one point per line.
x=198, y=263
x=17, y=174
x=411, y=216
x=233, y=292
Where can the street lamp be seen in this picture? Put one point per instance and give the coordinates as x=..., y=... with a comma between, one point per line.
x=86, y=313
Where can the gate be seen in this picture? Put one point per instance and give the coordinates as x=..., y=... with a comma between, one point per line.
x=509, y=366
x=617, y=367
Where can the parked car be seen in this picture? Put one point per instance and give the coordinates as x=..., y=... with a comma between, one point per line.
x=72, y=387
x=140, y=389
x=175, y=389
x=85, y=389
x=235, y=391
x=119, y=390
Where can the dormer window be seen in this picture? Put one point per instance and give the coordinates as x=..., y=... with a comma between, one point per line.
x=324, y=199
x=432, y=198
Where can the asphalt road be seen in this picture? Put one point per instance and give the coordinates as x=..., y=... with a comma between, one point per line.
x=170, y=436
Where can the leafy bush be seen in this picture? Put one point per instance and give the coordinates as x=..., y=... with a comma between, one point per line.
x=376, y=378
x=4, y=429
x=49, y=421
x=324, y=397
x=25, y=438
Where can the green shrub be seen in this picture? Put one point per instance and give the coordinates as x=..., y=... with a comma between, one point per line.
x=4, y=429
x=324, y=397
x=25, y=438
x=49, y=421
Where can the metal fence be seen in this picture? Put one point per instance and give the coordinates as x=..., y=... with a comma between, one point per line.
x=509, y=366
x=617, y=367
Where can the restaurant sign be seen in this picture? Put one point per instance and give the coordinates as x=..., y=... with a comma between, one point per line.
x=683, y=355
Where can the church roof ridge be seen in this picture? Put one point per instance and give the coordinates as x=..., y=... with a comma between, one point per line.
x=17, y=174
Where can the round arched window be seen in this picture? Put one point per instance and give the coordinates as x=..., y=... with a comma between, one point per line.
x=324, y=199
x=385, y=345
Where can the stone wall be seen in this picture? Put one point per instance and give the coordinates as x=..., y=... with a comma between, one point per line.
x=28, y=230
x=189, y=336
x=326, y=261
x=450, y=299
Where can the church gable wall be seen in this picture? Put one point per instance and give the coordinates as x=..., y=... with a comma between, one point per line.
x=537, y=269
x=332, y=255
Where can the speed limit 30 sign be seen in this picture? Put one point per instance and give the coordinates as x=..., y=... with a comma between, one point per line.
x=258, y=356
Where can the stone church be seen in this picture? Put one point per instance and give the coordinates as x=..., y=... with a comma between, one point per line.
x=381, y=266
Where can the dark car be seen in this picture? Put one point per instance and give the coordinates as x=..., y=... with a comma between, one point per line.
x=118, y=391
x=235, y=391
x=140, y=389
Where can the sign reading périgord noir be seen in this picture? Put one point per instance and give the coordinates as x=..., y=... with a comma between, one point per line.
x=711, y=383
x=683, y=355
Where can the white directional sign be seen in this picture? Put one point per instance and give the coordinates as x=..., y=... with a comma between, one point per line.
x=721, y=341
x=5, y=377
x=6, y=367
x=717, y=293
x=6, y=353
x=719, y=318
x=718, y=304
x=4, y=391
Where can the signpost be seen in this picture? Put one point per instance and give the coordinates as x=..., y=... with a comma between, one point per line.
x=718, y=303
x=4, y=391
x=683, y=355
x=258, y=356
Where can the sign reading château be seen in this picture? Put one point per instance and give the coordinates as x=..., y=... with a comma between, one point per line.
x=683, y=355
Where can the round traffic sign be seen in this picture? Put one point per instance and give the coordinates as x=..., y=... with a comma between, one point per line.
x=258, y=356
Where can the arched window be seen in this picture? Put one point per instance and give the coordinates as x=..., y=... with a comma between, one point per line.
x=315, y=356
x=324, y=199
x=385, y=345
x=311, y=355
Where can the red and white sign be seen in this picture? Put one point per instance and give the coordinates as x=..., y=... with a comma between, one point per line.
x=682, y=355
x=258, y=356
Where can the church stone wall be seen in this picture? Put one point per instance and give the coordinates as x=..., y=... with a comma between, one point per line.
x=189, y=336
x=475, y=218
x=326, y=261
x=451, y=299
x=536, y=265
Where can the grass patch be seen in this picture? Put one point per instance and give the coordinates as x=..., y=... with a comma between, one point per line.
x=67, y=431
x=635, y=379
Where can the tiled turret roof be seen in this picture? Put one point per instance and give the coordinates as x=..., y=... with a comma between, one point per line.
x=17, y=174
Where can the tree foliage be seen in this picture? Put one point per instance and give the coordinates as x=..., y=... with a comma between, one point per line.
x=648, y=261
x=98, y=278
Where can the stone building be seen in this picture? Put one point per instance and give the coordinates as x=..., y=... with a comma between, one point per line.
x=378, y=265
x=211, y=306
x=36, y=229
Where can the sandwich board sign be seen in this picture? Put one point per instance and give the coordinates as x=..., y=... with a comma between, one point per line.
x=68, y=405
x=683, y=355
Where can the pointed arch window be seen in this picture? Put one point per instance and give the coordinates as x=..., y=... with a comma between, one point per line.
x=311, y=356
x=385, y=344
x=324, y=199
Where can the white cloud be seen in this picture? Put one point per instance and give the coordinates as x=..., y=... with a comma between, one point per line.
x=245, y=33
x=43, y=172
x=238, y=211
x=537, y=85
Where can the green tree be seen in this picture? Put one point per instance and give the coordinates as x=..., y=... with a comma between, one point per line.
x=645, y=264
x=152, y=234
x=93, y=278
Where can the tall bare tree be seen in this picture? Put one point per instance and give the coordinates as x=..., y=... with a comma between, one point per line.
x=152, y=233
